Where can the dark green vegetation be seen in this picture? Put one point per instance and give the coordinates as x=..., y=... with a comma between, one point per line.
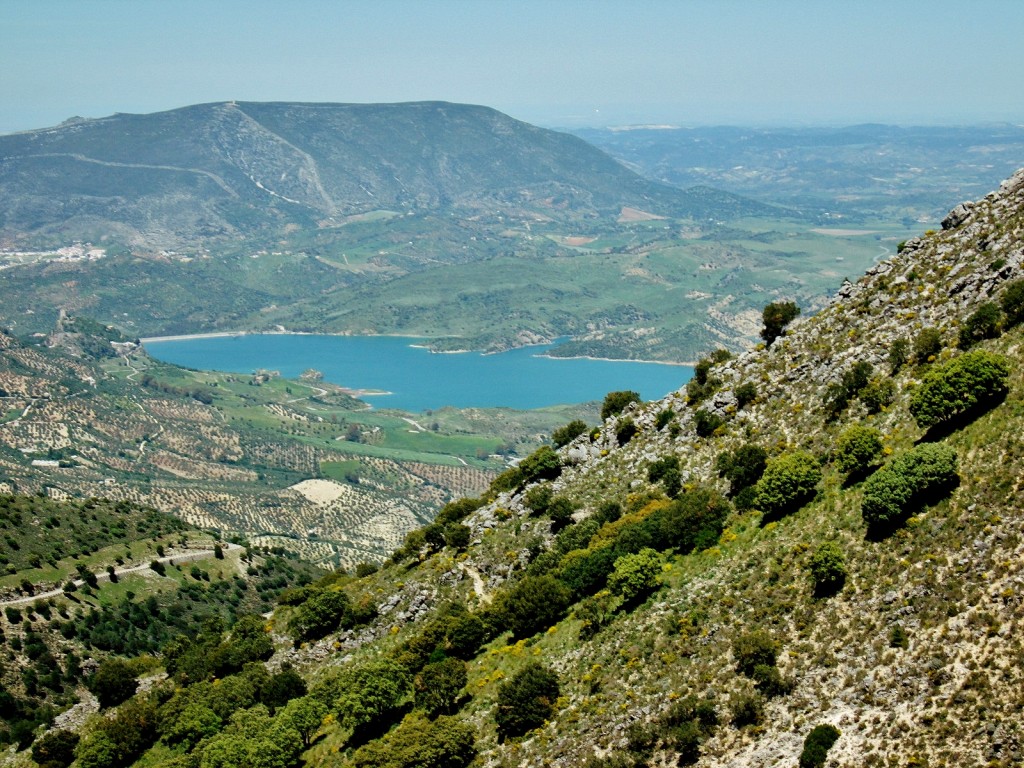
x=483, y=232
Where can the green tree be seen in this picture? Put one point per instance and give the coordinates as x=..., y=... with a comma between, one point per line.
x=113, y=682
x=858, y=449
x=899, y=354
x=927, y=345
x=636, y=576
x=915, y=476
x=565, y=435
x=828, y=569
x=705, y=423
x=746, y=393
x=305, y=715
x=532, y=605
x=542, y=464
x=616, y=402
x=55, y=749
x=439, y=686
x=984, y=323
x=193, y=724
x=742, y=467
x=776, y=316
x=788, y=482
x=370, y=691
x=817, y=744
x=420, y=743
x=1012, y=302
x=526, y=700
x=969, y=382
x=753, y=649
x=98, y=750
x=321, y=614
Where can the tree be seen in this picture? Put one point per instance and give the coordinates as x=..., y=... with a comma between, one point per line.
x=533, y=604
x=1012, y=302
x=193, y=724
x=616, y=402
x=745, y=393
x=55, y=749
x=927, y=345
x=526, y=700
x=776, y=316
x=542, y=464
x=420, y=743
x=788, y=482
x=858, y=449
x=984, y=323
x=320, y=614
x=742, y=467
x=828, y=569
x=113, y=682
x=439, y=685
x=752, y=649
x=636, y=576
x=922, y=472
x=817, y=744
x=705, y=423
x=370, y=691
x=899, y=354
x=965, y=384
x=305, y=715
x=565, y=435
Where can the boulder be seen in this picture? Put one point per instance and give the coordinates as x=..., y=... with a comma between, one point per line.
x=957, y=216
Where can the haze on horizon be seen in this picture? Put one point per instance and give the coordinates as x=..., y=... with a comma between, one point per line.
x=558, y=63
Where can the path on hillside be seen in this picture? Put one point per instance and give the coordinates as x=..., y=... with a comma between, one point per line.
x=103, y=575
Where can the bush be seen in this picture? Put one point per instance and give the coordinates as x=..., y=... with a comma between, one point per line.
x=921, y=472
x=439, y=685
x=565, y=435
x=659, y=467
x=747, y=709
x=701, y=386
x=705, y=423
x=899, y=354
x=828, y=569
x=972, y=381
x=663, y=418
x=984, y=323
x=693, y=521
x=418, y=742
x=113, y=682
x=542, y=464
x=1012, y=302
x=616, y=402
x=817, y=744
x=927, y=345
x=625, y=431
x=742, y=467
x=754, y=649
x=55, y=749
x=532, y=605
x=858, y=449
x=878, y=394
x=526, y=700
x=322, y=613
x=538, y=498
x=746, y=393
x=776, y=317
x=370, y=691
x=769, y=681
x=850, y=386
x=788, y=483
x=636, y=576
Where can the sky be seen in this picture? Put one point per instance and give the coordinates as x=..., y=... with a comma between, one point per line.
x=556, y=63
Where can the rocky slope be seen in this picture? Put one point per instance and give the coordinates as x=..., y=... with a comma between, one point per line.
x=916, y=659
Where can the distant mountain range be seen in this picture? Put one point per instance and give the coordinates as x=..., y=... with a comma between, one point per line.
x=244, y=169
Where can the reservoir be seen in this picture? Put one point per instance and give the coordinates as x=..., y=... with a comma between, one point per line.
x=417, y=379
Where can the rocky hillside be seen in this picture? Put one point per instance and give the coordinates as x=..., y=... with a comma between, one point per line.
x=909, y=647
x=655, y=593
x=243, y=169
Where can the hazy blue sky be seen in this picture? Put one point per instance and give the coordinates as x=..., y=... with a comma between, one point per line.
x=552, y=62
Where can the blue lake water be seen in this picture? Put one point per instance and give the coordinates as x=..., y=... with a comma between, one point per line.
x=419, y=380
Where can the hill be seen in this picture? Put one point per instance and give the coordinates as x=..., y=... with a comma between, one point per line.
x=450, y=222
x=244, y=169
x=654, y=592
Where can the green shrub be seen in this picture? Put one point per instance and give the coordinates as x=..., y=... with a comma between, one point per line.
x=754, y=649
x=927, y=345
x=853, y=382
x=776, y=316
x=693, y=521
x=636, y=576
x=973, y=380
x=899, y=354
x=858, y=449
x=526, y=700
x=322, y=613
x=438, y=686
x=742, y=467
x=419, y=742
x=878, y=394
x=788, y=482
x=1012, y=302
x=113, y=682
x=921, y=472
x=746, y=393
x=984, y=323
x=565, y=435
x=625, y=431
x=828, y=569
x=817, y=744
x=659, y=467
x=616, y=402
x=705, y=423
x=702, y=386
x=769, y=681
x=55, y=749
x=663, y=418
x=538, y=498
x=370, y=690
x=542, y=464
x=585, y=571
x=531, y=605
x=747, y=709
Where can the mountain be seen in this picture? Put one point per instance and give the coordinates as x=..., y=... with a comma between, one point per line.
x=256, y=170
x=654, y=592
